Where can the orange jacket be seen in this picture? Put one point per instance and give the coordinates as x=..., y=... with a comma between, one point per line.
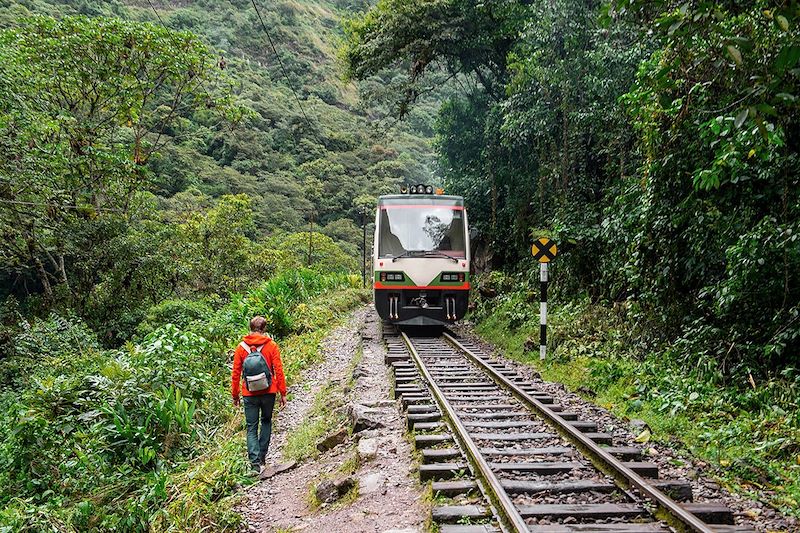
x=273, y=357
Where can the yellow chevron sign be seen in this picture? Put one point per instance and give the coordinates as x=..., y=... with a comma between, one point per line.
x=544, y=250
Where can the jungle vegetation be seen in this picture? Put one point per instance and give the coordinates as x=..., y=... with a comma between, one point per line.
x=657, y=143
x=163, y=170
x=164, y=175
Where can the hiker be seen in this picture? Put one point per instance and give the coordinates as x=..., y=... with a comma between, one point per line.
x=258, y=374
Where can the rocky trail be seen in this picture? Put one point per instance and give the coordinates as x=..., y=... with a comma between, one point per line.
x=388, y=496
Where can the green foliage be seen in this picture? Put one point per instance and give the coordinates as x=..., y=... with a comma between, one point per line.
x=747, y=429
x=180, y=313
x=85, y=103
x=105, y=439
x=325, y=254
x=164, y=216
x=655, y=141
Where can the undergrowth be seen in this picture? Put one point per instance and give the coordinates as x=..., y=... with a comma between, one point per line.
x=326, y=415
x=748, y=430
x=144, y=437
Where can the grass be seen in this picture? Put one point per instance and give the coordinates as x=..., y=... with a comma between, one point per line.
x=748, y=435
x=325, y=416
x=196, y=503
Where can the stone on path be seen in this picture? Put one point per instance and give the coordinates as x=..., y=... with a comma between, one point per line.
x=368, y=449
x=380, y=403
x=637, y=425
x=362, y=417
x=328, y=491
x=270, y=471
x=369, y=483
x=334, y=439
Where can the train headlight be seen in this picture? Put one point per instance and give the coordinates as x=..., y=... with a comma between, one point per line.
x=453, y=276
x=413, y=189
x=392, y=276
x=428, y=190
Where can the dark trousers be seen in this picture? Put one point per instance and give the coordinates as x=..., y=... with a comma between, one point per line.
x=258, y=408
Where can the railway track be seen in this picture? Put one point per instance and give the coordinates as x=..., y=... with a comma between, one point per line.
x=504, y=456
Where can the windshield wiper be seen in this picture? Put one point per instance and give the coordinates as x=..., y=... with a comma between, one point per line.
x=407, y=253
x=434, y=253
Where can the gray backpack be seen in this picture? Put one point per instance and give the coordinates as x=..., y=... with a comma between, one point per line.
x=256, y=372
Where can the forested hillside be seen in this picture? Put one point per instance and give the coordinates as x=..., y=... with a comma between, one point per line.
x=656, y=142
x=238, y=130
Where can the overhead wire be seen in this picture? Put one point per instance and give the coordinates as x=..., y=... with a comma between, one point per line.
x=156, y=12
x=280, y=62
x=274, y=50
x=161, y=21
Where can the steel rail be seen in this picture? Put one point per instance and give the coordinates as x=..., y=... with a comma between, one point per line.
x=507, y=508
x=676, y=515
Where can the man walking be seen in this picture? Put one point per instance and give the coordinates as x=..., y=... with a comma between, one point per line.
x=259, y=400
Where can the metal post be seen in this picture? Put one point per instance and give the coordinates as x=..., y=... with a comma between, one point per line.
x=310, y=233
x=543, y=311
x=364, y=252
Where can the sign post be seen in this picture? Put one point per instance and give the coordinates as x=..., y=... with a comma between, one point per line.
x=544, y=250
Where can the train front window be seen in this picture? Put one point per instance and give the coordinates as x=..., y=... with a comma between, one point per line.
x=415, y=229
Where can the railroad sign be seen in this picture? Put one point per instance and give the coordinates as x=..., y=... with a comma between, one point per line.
x=544, y=250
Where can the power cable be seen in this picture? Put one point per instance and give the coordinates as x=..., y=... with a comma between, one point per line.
x=274, y=50
x=156, y=12
x=161, y=21
x=280, y=62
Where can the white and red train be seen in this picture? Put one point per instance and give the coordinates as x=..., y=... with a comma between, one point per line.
x=421, y=257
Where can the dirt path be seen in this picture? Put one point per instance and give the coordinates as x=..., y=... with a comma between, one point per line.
x=389, y=495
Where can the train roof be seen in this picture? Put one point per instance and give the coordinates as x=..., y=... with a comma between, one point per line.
x=421, y=199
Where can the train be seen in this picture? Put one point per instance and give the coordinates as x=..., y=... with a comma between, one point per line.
x=421, y=257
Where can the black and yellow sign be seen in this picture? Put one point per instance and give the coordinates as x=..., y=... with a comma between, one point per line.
x=544, y=250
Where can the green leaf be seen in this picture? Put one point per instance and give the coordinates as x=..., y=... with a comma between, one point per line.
x=741, y=117
x=643, y=437
x=734, y=53
x=782, y=22
x=787, y=57
x=674, y=27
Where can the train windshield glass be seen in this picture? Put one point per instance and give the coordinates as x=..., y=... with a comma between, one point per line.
x=412, y=230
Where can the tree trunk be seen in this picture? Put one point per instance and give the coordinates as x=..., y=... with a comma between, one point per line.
x=494, y=200
x=43, y=277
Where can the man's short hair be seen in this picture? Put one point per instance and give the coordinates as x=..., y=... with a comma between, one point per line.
x=258, y=323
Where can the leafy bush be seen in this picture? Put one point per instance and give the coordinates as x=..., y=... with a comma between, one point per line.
x=180, y=313
x=120, y=439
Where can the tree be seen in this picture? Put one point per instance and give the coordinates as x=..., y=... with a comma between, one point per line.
x=326, y=255
x=459, y=36
x=84, y=104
